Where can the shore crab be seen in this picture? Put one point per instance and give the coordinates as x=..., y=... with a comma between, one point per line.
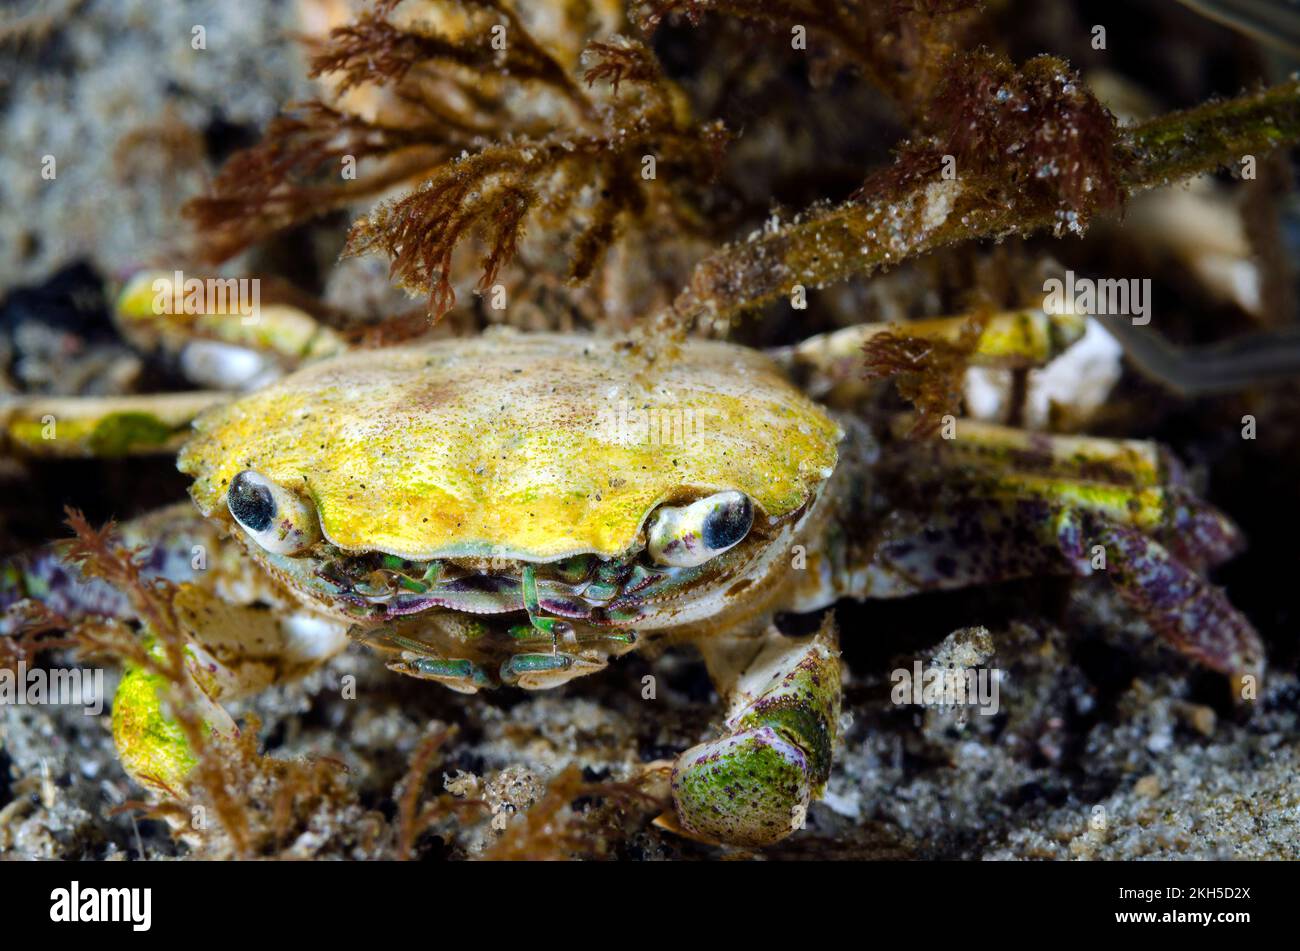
x=519, y=509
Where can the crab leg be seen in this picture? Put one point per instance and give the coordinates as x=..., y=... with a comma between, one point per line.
x=1134, y=462
x=230, y=651
x=1011, y=339
x=1134, y=482
x=753, y=785
x=1188, y=612
x=175, y=540
x=980, y=542
x=80, y=426
x=232, y=647
x=1077, y=507
x=152, y=313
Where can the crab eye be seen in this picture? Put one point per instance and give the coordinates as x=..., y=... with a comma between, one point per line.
x=274, y=517
x=686, y=536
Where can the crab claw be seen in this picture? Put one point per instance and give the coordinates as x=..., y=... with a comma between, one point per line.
x=151, y=745
x=229, y=651
x=753, y=785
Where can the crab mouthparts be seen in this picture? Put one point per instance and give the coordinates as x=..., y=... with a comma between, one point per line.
x=584, y=589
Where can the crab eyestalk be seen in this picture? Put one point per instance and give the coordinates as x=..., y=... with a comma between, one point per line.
x=753, y=785
x=689, y=536
x=274, y=517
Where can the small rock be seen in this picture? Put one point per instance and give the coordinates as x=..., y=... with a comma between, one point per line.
x=1148, y=787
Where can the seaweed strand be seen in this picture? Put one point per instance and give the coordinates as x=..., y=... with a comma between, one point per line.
x=903, y=213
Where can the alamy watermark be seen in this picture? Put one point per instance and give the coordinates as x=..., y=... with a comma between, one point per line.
x=642, y=423
x=933, y=686
x=236, y=296
x=37, y=686
x=1108, y=297
x=133, y=906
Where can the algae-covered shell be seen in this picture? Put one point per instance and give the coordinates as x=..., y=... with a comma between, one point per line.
x=533, y=446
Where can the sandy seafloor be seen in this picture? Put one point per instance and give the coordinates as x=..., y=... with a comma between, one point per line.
x=1107, y=745
x=1067, y=770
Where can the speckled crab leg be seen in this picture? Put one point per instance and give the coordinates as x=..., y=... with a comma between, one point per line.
x=232, y=647
x=1182, y=607
x=1147, y=542
x=1134, y=462
x=211, y=339
x=100, y=426
x=230, y=651
x=170, y=536
x=753, y=785
x=1133, y=482
x=1016, y=338
x=151, y=745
